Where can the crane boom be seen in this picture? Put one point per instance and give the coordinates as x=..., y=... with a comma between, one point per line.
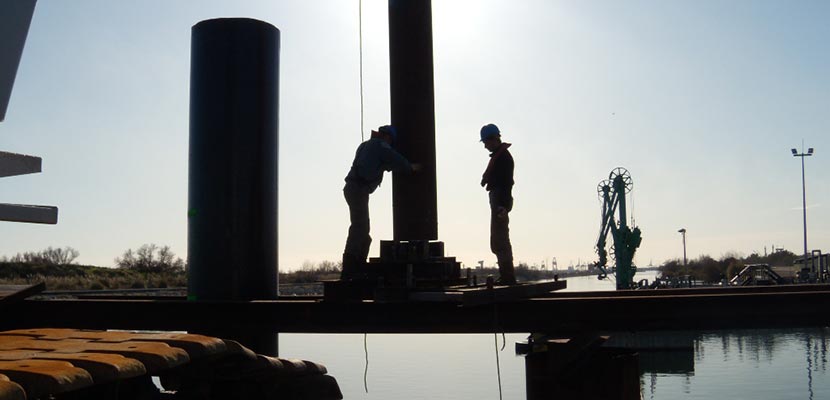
x=626, y=240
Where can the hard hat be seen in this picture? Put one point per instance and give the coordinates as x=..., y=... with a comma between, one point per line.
x=389, y=130
x=488, y=131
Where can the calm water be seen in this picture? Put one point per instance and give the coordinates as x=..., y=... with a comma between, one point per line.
x=757, y=365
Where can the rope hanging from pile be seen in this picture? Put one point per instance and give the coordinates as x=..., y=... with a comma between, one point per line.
x=360, y=38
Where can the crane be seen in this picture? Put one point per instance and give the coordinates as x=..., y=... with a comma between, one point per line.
x=612, y=192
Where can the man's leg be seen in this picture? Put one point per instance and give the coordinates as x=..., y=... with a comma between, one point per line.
x=500, y=245
x=358, y=242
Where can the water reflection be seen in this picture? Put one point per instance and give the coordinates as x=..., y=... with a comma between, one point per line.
x=757, y=364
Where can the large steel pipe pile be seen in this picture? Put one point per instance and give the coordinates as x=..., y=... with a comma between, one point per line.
x=232, y=198
x=414, y=197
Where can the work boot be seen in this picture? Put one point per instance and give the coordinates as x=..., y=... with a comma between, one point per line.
x=506, y=281
x=351, y=267
x=507, y=276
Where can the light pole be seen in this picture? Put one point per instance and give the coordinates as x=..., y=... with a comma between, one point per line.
x=683, y=233
x=803, y=193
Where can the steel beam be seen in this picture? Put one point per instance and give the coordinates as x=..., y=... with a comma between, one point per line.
x=13, y=164
x=29, y=213
x=15, y=18
x=551, y=315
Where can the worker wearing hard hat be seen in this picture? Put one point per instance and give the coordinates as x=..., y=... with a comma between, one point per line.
x=498, y=180
x=371, y=159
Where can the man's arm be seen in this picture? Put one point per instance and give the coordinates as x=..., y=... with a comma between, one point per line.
x=394, y=161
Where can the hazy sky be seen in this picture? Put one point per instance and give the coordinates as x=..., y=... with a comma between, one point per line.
x=700, y=100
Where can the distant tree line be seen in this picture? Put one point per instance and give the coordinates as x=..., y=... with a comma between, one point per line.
x=707, y=269
x=312, y=273
x=150, y=258
x=150, y=266
x=49, y=256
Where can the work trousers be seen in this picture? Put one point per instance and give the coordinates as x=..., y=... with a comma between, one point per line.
x=500, y=237
x=358, y=242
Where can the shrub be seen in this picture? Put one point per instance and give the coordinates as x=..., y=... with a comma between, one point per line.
x=150, y=258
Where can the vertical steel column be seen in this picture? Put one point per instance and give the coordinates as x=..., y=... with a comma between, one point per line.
x=414, y=197
x=232, y=198
x=804, y=208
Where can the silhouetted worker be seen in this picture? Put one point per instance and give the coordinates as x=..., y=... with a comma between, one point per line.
x=371, y=159
x=498, y=180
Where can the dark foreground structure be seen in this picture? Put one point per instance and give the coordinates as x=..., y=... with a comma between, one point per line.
x=560, y=313
x=571, y=326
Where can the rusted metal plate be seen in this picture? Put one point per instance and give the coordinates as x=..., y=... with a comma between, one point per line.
x=10, y=390
x=62, y=333
x=45, y=362
x=196, y=346
x=9, y=293
x=235, y=348
x=13, y=355
x=9, y=342
x=103, y=367
x=43, y=377
x=155, y=356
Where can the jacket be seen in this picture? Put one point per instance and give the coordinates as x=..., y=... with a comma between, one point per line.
x=498, y=178
x=371, y=159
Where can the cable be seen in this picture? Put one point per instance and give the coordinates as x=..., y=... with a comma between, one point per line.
x=496, y=343
x=498, y=366
x=360, y=36
x=366, y=368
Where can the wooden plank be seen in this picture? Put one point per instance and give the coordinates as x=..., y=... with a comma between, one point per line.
x=43, y=377
x=29, y=213
x=10, y=293
x=10, y=390
x=13, y=164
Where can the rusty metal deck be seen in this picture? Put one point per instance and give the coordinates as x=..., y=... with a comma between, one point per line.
x=37, y=363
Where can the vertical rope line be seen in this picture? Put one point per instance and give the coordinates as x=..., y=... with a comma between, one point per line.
x=366, y=368
x=498, y=366
x=496, y=344
x=360, y=36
